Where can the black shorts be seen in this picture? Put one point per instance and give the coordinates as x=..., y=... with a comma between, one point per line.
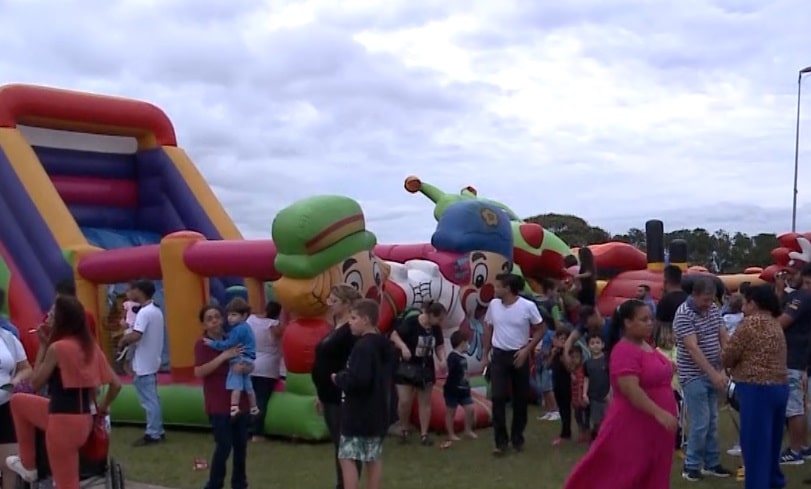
x=419, y=376
x=7, y=434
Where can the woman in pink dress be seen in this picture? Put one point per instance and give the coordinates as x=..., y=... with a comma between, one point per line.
x=634, y=448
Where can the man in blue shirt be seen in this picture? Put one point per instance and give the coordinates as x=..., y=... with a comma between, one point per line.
x=4, y=322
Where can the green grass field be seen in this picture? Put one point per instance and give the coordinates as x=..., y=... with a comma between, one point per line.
x=280, y=464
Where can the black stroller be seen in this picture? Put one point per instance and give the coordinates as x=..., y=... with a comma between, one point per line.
x=91, y=473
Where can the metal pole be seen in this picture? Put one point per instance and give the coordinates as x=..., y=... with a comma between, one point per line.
x=797, y=148
x=796, y=156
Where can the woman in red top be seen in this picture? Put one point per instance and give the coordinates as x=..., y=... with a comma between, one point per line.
x=230, y=432
x=73, y=366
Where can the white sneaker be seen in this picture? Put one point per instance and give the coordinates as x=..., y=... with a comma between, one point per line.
x=14, y=463
x=544, y=417
x=553, y=416
x=735, y=451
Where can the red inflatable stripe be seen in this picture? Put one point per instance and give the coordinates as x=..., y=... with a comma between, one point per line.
x=108, y=192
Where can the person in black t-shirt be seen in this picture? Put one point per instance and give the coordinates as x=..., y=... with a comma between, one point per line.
x=331, y=355
x=796, y=323
x=419, y=339
x=456, y=390
x=586, y=278
x=673, y=296
x=366, y=385
x=562, y=385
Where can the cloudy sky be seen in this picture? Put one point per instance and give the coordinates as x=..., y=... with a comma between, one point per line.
x=614, y=110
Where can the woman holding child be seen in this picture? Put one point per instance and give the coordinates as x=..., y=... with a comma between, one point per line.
x=230, y=432
x=634, y=448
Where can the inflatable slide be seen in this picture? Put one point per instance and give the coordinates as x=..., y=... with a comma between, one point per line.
x=95, y=189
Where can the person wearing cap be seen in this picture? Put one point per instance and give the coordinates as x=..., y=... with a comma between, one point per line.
x=796, y=323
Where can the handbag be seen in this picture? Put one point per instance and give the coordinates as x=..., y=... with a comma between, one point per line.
x=411, y=373
x=97, y=445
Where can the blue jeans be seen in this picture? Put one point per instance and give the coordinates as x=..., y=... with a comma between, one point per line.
x=701, y=404
x=763, y=416
x=146, y=387
x=230, y=433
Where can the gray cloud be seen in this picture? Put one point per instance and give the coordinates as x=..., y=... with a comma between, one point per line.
x=617, y=111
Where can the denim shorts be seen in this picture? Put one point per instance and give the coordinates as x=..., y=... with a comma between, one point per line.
x=452, y=401
x=239, y=382
x=546, y=380
x=796, y=394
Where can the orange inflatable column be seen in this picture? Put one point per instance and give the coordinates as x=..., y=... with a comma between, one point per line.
x=256, y=294
x=185, y=293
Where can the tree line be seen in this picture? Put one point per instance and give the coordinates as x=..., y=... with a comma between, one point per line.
x=721, y=251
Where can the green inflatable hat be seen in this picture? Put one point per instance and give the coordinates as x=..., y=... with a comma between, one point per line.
x=317, y=233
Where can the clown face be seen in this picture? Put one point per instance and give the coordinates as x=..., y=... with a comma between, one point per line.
x=484, y=267
x=363, y=271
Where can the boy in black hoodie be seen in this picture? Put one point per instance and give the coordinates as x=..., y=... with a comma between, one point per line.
x=366, y=384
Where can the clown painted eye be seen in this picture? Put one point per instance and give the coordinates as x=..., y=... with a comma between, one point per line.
x=355, y=279
x=376, y=273
x=479, y=275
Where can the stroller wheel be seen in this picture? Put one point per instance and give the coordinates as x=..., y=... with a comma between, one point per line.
x=116, y=475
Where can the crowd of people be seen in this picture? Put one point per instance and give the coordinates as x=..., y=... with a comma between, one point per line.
x=641, y=386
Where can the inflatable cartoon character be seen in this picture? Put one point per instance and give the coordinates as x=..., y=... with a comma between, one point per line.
x=538, y=252
x=472, y=245
x=794, y=251
x=321, y=242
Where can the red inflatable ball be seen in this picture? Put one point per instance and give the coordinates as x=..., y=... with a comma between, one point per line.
x=301, y=335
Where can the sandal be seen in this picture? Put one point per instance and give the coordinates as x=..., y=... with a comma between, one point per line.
x=446, y=444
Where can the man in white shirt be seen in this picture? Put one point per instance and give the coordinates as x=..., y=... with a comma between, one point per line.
x=513, y=328
x=147, y=339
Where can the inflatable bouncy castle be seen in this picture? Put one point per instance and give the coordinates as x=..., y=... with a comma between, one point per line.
x=624, y=285
x=96, y=190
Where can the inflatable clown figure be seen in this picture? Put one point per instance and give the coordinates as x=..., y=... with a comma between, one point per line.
x=471, y=246
x=321, y=242
x=537, y=251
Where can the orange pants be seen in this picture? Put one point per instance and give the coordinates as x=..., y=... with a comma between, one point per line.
x=64, y=436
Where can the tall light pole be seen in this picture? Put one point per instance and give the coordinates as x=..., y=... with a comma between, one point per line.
x=803, y=71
